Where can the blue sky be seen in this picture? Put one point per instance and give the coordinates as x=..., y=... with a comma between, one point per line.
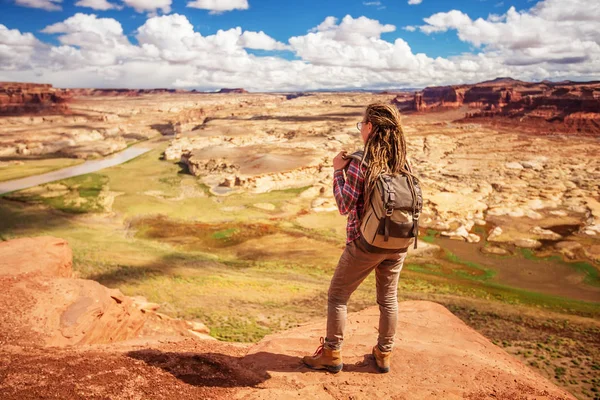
x=281, y=19
x=297, y=44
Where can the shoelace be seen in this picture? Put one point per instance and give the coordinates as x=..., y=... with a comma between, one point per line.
x=320, y=348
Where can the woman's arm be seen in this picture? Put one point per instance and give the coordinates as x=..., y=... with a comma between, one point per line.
x=347, y=192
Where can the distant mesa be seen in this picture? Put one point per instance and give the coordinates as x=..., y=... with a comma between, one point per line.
x=504, y=81
x=80, y=92
x=21, y=98
x=293, y=96
x=569, y=107
x=32, y=98
x=234, y=90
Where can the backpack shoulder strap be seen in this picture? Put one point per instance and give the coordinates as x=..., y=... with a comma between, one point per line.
x=359, y=156
x=409, y=165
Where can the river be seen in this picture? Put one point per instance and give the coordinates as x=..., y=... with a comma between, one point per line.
x=85, y=168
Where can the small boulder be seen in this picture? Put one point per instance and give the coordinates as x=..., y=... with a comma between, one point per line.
x=528, y=243
x=473, y=238
x=461, y=233
x=513, y=165
x=42, y=255
x=494, y=250
x=568, y=248
x=545, y=234
x=494, y=234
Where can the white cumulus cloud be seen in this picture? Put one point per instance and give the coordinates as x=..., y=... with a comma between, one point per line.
x=353, y=43
x=89, y=40
x=551, y=40
x=149, y=6
x=219, y=6
x=414, y=2
x=48, y=5
x=551, y=32
x=19, y=51
x=101, y=5
x=260, y=41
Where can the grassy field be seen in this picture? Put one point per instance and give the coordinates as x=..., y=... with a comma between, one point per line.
x=246, y=271
x=36, y=167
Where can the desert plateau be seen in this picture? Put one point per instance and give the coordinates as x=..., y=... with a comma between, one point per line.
x=188, y=238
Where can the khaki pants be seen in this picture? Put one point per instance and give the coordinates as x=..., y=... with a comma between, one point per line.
x=354, y=266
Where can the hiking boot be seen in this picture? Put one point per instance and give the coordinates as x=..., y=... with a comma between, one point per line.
x=324, y=358
x=382, y=359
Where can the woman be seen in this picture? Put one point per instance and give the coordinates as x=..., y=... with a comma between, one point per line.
x=385, y=150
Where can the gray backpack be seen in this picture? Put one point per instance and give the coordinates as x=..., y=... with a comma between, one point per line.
x=390, y=221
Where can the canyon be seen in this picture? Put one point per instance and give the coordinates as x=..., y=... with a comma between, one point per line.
x=475, y=173
x=228, y=221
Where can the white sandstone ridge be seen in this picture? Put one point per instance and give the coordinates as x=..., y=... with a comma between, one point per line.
x=524, y=198
x=257, y=162
x=470, y=183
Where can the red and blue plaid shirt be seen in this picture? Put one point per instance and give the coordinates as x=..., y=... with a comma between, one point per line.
x=348, y=195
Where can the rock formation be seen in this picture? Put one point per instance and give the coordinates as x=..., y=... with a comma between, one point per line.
x=97, y=122
x=121, y=92
x=30, y=98
x=44, y=304
x=71, y=338
x=235, y=90
x=572, y=107
x=439, y=97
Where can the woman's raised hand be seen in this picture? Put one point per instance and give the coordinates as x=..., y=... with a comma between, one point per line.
x=340, y=161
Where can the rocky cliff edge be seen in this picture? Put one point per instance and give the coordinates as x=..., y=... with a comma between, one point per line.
x=70, y=338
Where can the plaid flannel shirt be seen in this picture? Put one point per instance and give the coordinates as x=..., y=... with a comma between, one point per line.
x=348, y=195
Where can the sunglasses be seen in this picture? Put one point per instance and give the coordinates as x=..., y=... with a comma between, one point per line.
x=359, y=125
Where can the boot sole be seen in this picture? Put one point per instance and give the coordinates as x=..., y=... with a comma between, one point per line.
x=383, y=370
x=331, y=368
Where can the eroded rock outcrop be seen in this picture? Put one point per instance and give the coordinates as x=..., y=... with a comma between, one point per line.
x=18, y=98
x=122, y=92
x=436, y=356
x=572, y=107
x=257, y=162
x=439, y=97
x=44, y=305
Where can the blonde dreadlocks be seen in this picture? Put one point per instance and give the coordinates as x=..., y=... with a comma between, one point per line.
x=385, y=150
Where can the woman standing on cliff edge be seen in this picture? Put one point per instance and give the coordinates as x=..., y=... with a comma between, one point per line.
x=385, y=151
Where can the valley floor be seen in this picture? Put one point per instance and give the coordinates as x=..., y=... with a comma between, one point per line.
x=252, y=264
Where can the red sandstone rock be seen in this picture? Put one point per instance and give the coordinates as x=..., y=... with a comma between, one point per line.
x=439, y=97
x=44, y=255
x=31, y=98
x=122, y=92
x=42, y=305
x=569, y=107
x=436, y=356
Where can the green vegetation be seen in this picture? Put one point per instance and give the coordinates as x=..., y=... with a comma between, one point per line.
x=77, y=195
x=226, y=234
x=242, y=270
x=36, y=167
x=478, y=272
x=429, y=237
x=592, y=277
